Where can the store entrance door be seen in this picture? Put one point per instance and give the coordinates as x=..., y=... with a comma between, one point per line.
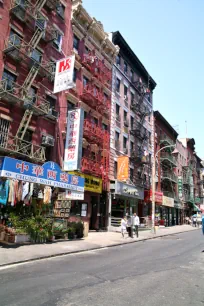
x=94, y=211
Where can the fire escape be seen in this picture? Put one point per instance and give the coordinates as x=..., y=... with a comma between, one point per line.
x=26, y=52
x=96, y=156
x=188, y=182
x=139, y=157
x=167, y=166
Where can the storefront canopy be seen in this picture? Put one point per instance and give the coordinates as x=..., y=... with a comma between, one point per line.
x=48, y=174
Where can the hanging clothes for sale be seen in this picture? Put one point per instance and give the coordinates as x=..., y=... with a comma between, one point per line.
x=20, y=191
x=28, y=197
x=4, y=190
x=11, y=192
x=47, y=195
x=25, y=190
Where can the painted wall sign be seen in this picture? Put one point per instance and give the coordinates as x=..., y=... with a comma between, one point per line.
x=48, y=174
x=64, y=74
x=73, y=147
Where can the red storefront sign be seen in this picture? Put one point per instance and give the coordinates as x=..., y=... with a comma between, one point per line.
x=158, y=196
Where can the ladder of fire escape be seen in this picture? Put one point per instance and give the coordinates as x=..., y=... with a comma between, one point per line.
x=24, y=124
x=40, y=4
x=36, y=37
x=28, y=83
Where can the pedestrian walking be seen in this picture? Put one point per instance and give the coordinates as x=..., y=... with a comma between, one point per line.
x=194, y=219
x=136, y=223
x=123, y=226
x=129, y=224
x=198, y=220
x=203, y=224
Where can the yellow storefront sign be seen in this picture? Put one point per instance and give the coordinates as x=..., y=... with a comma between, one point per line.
x=92, y=183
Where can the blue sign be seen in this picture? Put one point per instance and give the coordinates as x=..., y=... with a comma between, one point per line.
x=48, y=174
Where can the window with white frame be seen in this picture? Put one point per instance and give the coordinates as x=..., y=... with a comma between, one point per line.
x=58, y=41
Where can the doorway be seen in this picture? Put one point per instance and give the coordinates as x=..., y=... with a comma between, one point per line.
x=94, y=212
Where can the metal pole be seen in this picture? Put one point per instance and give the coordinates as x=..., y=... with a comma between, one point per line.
x=154, y=185
x=153, y=193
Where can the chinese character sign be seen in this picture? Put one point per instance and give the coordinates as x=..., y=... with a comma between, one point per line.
x=64, y=74
x=73, y=147
x=180, y=187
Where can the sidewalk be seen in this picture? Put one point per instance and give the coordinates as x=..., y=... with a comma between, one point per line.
x=96, y=240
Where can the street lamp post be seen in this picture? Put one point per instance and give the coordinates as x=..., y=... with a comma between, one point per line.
x=154, y=184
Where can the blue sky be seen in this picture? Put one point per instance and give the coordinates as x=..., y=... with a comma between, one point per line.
x=168, y=37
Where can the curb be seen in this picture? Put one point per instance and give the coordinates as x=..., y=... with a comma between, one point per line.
x=87, y=250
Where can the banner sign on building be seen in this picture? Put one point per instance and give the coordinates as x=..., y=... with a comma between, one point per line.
x=129, y=190
x=48, y=174
x=73, y=146
x=64, y=74
x=180, y=187
x=158, y=196
x=169, y=202
x=123, y=168
x=91, y=183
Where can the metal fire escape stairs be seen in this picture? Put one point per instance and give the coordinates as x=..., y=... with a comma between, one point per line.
x=39, y=32
x=143, y=112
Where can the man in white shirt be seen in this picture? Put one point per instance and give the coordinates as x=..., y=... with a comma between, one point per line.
x=136, y=223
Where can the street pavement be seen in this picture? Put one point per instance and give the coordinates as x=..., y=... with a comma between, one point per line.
x=165, y=271
x=20, y=253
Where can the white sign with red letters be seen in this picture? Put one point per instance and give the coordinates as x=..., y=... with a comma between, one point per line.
x=64, y=74
x=73, y=147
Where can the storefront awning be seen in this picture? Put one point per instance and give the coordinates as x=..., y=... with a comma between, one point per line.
x=196, y=208
x=47, y=174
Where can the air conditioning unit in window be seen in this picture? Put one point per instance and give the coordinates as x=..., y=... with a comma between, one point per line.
x=48, y=141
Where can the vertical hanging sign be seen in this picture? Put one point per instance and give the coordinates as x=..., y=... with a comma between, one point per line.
x=180, y=187
x=64, y=74
x=73, y=146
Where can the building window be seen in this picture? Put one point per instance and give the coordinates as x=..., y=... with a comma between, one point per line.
x=32, y=93
x=150, y=138
x=125, y=115
x=28, y=135
x=58, y=41
x=131, y=174
x=131, y=146
x=115, y=169
x=10, y=78
x=118, y=85
x=117, y=109
x=61, y=10
x=118, y=60
x=71, y=105
x=132, y=97
x=131, y=122
x=52, y=101
x=14, y=38
x=125, y=68
x=124, y=142
x=104, y=127
x=76, y=43
x=74, y=75
x=36, y=56
x=131, y=75
x=4, y=130
x=125, y=91
x=105, y=97
x=85, y=81
x=94, y=120
x=87, y=50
